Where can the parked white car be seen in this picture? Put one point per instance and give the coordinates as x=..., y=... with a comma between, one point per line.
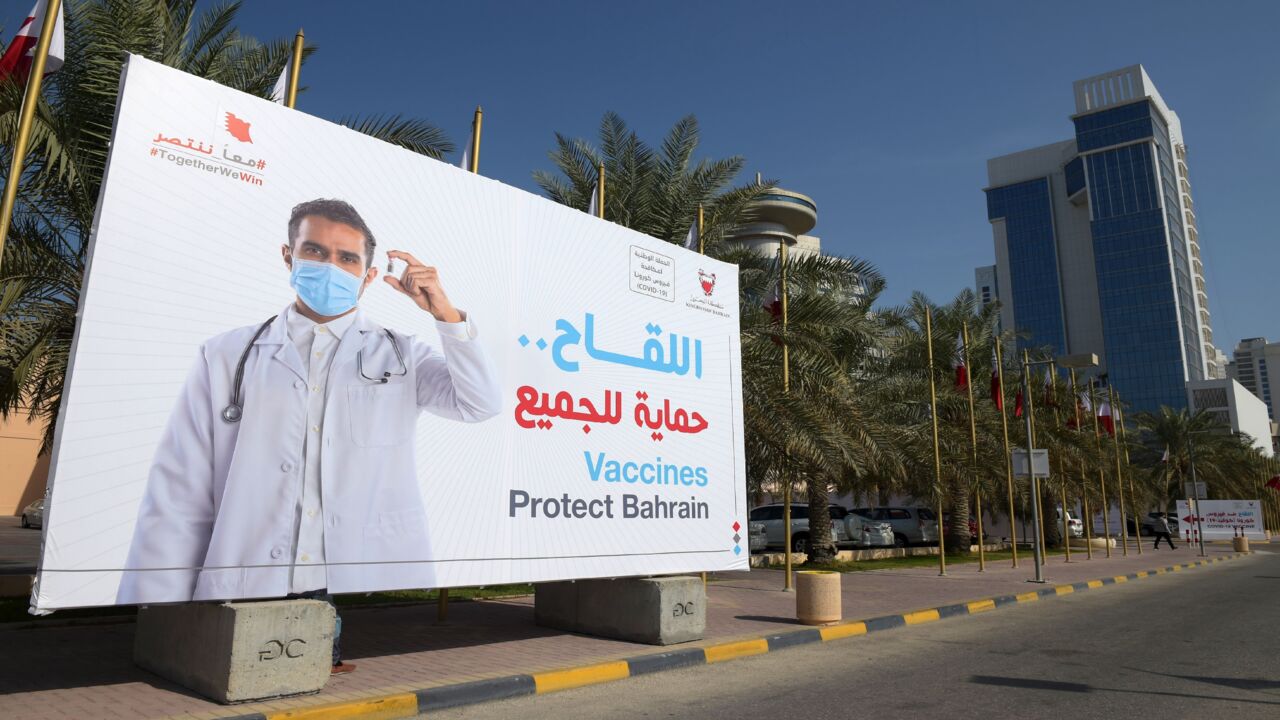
x=771, y=516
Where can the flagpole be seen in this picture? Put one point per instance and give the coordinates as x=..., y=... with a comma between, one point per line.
x=1133, y=496
x=1062, y=471
x=702, y=249
x=600, y=191
x=1037, y=501
x=476, y=122
x=295, y=68
x=26, y=117
x=1084, y=479
x=1102, y=477
x=973, y=442
x=1115, y=442
x=937, y=453
x=786, y=390
x=1008, y=458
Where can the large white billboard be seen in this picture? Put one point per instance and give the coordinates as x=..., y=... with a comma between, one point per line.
x=522, y=392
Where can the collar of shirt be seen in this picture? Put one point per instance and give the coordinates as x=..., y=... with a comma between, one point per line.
x=302, y=328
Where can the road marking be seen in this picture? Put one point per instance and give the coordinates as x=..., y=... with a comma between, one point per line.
x=1027, y=597
x=577, y=677
x=979, y=606
x=392, y=706
x=920, y=617
x=1094, y=584
x=729, y=651
x=835, y=632
x=1120, y=578
x=1064, y=589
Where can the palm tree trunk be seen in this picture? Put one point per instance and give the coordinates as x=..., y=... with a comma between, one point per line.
x=1049, y=520
x=959, y=539
x=821, y=549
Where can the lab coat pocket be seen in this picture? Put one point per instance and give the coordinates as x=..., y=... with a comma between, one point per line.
x=382, y=414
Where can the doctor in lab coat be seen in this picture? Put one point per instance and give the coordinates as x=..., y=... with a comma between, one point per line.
x=314, y=487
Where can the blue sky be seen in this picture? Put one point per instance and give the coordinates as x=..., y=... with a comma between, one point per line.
x=883, y=112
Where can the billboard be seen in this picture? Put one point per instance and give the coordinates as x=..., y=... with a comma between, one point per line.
x=1223, y=519
x=522, y=393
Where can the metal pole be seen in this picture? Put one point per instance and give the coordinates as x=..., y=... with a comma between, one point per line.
x=476, y=123
x=1087, y=520
x=1195, y=490
x=295, y=66
x=1133, y=496
x=786, y=389
x=1102, y=478
x=26, y=117
x=937, y=453
x=1035, y=481
x=1062, y=472
x=442, y=605
x=1115, y=442
x=973, y=442
x=600, y=211
x=1008, y=457
x=702, y=247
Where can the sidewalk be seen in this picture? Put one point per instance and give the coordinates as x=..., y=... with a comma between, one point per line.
x=86, y=671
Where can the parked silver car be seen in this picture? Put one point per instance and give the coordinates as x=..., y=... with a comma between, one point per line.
x=911, y=525
x=756, y=540
x=33, y=514
x=864, y=533
x=771, y=516
x=847, y=529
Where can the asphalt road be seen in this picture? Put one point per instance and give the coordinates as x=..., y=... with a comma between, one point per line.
x=1196, y=644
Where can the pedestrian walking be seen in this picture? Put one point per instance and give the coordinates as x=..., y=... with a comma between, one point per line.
x=1162, y=531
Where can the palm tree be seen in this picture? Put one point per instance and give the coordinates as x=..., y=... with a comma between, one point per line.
x=45, y=253
x=654, y=192
x=1226, y=462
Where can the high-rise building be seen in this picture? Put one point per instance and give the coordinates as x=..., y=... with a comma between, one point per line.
x=1096, y=243
x=985, y=284
x=1254, y=360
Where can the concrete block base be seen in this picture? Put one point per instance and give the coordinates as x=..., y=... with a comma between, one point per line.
x=656, y=611
x=236, y=652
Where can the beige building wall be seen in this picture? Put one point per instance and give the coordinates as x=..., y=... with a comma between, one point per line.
x=23, y=471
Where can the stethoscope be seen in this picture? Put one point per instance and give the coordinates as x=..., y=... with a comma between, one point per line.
x=235, y=410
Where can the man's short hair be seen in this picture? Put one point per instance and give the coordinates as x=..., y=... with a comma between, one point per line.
x=339, y=211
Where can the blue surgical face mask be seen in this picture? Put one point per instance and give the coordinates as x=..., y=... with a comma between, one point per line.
x=324, y=287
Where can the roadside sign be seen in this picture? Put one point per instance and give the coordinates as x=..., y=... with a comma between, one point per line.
x=1197, y=492
x=1223, y=519
x=1039, y=463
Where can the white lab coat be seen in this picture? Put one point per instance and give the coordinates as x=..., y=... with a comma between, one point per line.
x=219, y=514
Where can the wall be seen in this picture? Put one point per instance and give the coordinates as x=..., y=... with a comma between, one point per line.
x=22, y=471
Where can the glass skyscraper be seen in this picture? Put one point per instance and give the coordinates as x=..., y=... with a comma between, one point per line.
x=1096, y=243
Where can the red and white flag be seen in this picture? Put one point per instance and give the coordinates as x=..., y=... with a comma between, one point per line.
x=1274, y=483
x=996, y=396
x=1165, y=457
x=1048, y=388
x=18, y=57
x=962, y=372
x=1017, y=403
x=1104, y=417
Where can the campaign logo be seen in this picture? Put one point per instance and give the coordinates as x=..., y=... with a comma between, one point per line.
x=708, y=282
x=237, y=128
x=220, y=157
